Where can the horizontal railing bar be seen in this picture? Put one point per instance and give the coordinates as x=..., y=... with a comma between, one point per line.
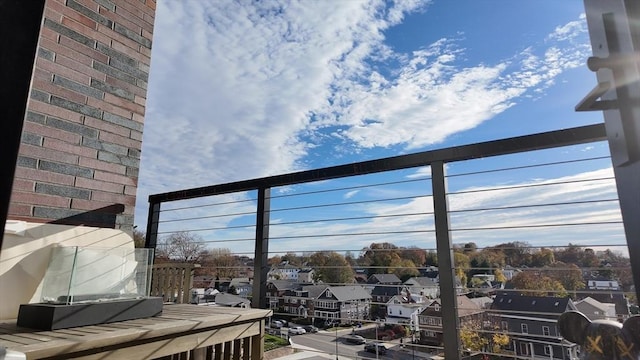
x=551, y=139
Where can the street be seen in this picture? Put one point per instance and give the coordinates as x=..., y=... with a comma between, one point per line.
x=326, y=342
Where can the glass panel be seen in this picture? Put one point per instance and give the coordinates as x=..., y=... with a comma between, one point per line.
x=95, y=274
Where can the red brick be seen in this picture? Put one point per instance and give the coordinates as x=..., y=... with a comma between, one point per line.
x=103, y=165
x=151, y=4
x=123, y=103
x=136, y=135
x=23, y=185
x=83, y=49
x=130, y=190
x=58, y=68
x=140, y=100
x=44, y=176
x=75, y=16
x=90, y=4
x=120, y=140
x=149, y=19
x=70, y=148
x=139, y=118
x=133, y=11
x=41, y=74
x=19, y=210
x=52, y=14
x=59, y=91
x=81, y=68
x=90, y=33
x=147, y=34
x=49, y=34
x=109, y=107
x=117, y=18
x=133, y=53
x=116, y=36
x=49, y=154
x=81, y=204
x=106, y=126
x=125, y=85
x=113, y=198
x=114, y=178
x=65, y=51
x=40, y=199
x=99, y=185
x=55, y=111
x=47, y=131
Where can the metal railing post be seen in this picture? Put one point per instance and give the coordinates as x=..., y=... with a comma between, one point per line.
x=446, y=270
x=151, y=239
x=261, y=258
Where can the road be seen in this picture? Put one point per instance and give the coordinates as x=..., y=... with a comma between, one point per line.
x=326, y=342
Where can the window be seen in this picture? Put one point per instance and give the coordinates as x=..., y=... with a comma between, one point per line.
x=436, y=307
x=525, y=348
x=545, y=331
x=548, y=350
x=524, y=328
x=504, y=325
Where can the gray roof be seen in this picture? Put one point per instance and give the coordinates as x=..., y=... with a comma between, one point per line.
x=536, y=304
x=231, y=300
x=346, y=293
x=384, y=279
x=424, y=281
x=284, y=284
x=314, y=290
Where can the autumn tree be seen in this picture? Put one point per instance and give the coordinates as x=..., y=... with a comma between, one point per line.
x=220, y=262
x=532, y=284
x=181, y=246
x=139, y=238
x=569, y=275
x=404, y=269
x=331, y=268
x=379, y=257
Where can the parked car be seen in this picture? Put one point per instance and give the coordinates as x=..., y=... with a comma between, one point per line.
x=373, y=346
x=297, y=330
x=354, y=339
x=310, y=328
x=276, y=324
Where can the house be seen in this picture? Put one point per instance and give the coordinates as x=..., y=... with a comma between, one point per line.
x=595, y=310
x=617, y=298
x=306, y=276
x=509, y=272
x=230, y=300
x=300, y=300
x=342, y=304
x=423, y=285
x=430, y=319
x=283, y=271
x=603, y=284
x=532, y=324
x=383, y=293
x=391, y=279
x=403, y=309
x=276, y=290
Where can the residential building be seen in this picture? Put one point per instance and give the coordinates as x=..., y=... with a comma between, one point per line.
x=595, y=310
x=306, y=276
x=615, y=297
x=283, y=271
x=423, y=285
x=390, y=279
x=300, y=300
x=403, y=309
x=276, y=290
x=531, y=322
x=430, y=319
x=343, y=304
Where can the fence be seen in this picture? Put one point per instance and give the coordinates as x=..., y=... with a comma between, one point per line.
x=421, y=241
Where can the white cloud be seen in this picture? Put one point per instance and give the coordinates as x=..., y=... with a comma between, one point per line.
x=235, y=88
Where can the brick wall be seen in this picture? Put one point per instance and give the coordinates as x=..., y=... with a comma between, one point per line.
x=80, y=151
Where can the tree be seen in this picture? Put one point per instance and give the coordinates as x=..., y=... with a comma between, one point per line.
x=181, y=246
x=532, y=284
x=221, y=263
x=139, y=238
x=569, y=275
x=332, y=268
x=404, y=269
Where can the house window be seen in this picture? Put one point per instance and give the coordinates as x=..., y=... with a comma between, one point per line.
x=400, y=312
x=504, y=325
x=548, y=350
x=525, y=348
x=545, y=331
x=524, y=328
x=436, y=307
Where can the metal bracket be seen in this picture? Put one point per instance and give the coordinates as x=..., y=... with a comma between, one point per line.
x=591, y=103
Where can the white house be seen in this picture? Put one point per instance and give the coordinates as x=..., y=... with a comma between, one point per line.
x=402, y=309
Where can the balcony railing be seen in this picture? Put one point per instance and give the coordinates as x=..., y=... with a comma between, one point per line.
x=541, y=208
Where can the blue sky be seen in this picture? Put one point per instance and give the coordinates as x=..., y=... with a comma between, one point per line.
x=242, y=90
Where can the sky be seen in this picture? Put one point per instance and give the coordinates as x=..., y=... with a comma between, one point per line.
x=241, y=90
